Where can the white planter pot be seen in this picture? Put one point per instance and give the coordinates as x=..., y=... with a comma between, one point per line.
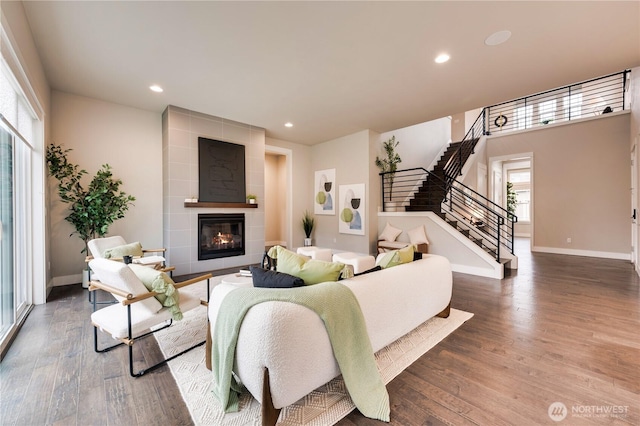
x=85, y=278
x=307, y=242
x=391, y=206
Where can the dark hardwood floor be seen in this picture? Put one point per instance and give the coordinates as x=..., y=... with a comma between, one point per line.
x=560, y=329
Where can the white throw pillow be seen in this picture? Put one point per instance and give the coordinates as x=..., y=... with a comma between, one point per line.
x=418, y=236
x=390, y=233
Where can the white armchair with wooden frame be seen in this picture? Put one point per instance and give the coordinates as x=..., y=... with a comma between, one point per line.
x=137, y=310
x=101, y=248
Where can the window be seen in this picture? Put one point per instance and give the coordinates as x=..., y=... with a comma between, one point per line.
x=523, y=117
x=572, y=106
x=547, y=111
x=521, y=180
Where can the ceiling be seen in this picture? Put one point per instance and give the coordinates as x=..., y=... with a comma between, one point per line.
x=330, y=68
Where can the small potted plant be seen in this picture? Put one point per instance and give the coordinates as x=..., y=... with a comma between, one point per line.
x=307, y=224
x=389, y=164
x=251, y=199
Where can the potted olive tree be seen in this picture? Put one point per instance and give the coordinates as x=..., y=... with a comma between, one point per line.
x=389, y=163
x=308, y=222
x=94, y=208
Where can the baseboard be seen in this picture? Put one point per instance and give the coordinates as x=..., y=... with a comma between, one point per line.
x=66, y=280
x=497, y=273
x=587, y=253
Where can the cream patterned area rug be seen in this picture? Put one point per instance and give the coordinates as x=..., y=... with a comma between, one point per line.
x=324, y=406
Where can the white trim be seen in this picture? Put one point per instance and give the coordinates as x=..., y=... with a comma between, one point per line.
x=481, y=272
x=66, y=280
x=12, y=60
x=587, y=253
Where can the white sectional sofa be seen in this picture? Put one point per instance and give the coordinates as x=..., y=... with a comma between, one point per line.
x=287, y=346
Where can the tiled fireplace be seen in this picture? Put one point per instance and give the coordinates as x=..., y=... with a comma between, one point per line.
x=181, y=229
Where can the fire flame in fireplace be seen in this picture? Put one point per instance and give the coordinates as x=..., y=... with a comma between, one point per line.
x=222, y=239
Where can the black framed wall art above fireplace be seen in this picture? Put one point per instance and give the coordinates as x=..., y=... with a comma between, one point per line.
x=221, y=171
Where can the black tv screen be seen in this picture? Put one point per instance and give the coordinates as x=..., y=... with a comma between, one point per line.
x=221, y=171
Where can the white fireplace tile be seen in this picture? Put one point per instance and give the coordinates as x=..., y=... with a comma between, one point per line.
x=179, y=171
x=181, y=239
x=206, y=128
x=179, y=138
x=174, y=205
x=197, y=114
x=235, y=123
x=179, y=154
x=234, y=133
x=180, y=255
x=179, y=222
x=178, y=120
x=179, y=188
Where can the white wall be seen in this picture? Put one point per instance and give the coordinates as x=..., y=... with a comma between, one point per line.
x=420, y=144
x=581, y=175
x=351, y=157
x=127, y=139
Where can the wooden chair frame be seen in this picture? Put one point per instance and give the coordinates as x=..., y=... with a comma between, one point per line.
x=130, y=299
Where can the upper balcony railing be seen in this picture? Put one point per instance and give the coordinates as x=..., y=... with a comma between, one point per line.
x=586, y=99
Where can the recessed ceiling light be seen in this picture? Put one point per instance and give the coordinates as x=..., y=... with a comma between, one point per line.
x=156, y=88
x=497, y=38
x=288, y=124
x=441, y=59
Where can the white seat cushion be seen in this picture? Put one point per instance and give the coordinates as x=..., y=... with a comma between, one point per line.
x=360, y=263
x=315, y=253
x=113, y=318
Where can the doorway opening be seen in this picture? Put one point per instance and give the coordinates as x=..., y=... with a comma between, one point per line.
x=277, y=196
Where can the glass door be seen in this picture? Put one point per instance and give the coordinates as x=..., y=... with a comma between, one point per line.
x=7, y=296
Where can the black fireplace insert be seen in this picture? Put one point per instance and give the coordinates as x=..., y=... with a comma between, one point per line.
x=220, y=235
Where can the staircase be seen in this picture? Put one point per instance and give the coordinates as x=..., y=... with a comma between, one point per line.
x=484, y=223
x=433, y=190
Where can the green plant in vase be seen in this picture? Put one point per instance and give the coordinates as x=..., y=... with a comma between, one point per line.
x=389, y=163
x=308, y=223
x=94, y=208
x=512, y=199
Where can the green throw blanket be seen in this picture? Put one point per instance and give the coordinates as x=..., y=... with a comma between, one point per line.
x=337, y=306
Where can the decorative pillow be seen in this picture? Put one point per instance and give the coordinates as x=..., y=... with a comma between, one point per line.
x=417, y=255
x=310, y=270
x=376, y=268
x=418, y=236
x=406, y=254
x=131, y=249
x=272, y=279
x=396, y=257
x=390, y=259
x=390, y=233
x=160, y=282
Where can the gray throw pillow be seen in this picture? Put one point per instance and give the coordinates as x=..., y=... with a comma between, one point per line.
x=272, y=279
